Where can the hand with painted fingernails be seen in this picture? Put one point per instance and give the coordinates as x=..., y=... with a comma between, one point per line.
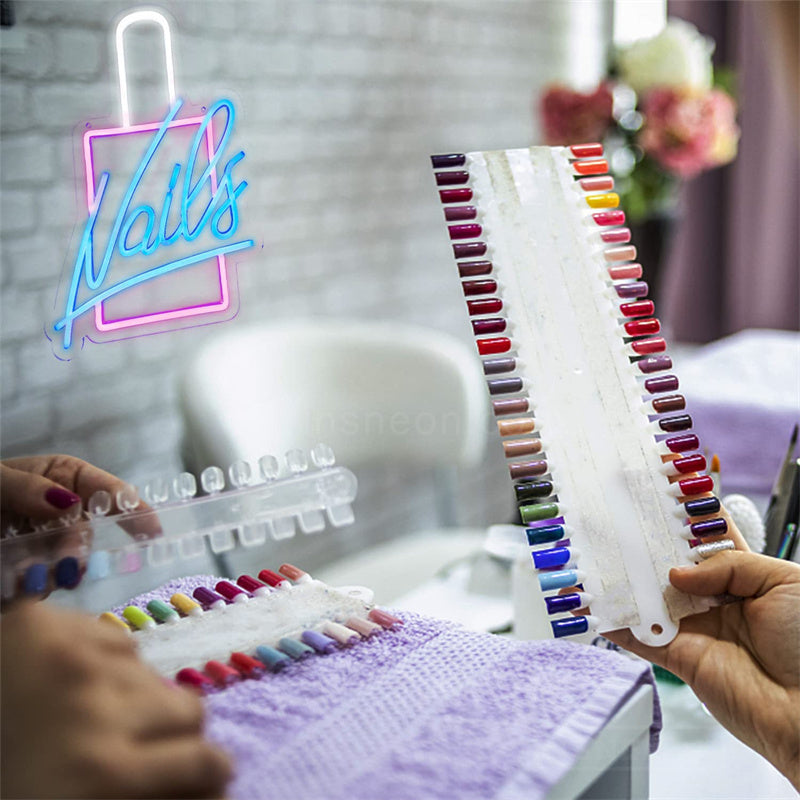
x=84, y=717
x=36, y=490
x=742, y=659
x=47, y=488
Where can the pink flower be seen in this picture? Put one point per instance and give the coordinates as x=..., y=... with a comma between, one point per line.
x=688, y=131
x=722, y=111
x=570, y=117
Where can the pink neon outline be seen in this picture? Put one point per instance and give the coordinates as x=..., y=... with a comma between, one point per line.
x=187, y=311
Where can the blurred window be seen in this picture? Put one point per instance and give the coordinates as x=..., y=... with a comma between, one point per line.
x=638, y=19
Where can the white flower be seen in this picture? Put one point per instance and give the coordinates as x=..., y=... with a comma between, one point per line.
x=680, y=56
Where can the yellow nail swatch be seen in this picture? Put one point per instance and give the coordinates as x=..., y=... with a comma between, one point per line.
x=186, y=605
x=114, y=620
x=608, y=200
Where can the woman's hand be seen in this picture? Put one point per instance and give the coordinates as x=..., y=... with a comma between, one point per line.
x=83, y=717
x=741, y=659
x=44, y=488
x=41, y=489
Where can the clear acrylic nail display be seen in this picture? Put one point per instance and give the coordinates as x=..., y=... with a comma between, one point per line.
x=183, y=518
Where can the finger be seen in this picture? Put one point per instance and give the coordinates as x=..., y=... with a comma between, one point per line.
x=29, y=495
x=175, y=711
x=737, y=573
x=113, y=637
x=160, y=710
x=86, y=479
x=70, y=552
x=181, y=767
x=625, y=639
x=81, y=477
x=733, y=533
x=144, y=524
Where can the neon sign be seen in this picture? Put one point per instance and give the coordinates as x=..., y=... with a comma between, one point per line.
x=146, y=228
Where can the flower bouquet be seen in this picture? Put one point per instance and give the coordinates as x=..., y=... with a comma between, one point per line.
x=660, y=116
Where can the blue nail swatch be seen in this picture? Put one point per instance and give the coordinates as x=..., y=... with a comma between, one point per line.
x=99, y=565
x=545, y=535
x=569, y=626
x=35, y=580
x=558, y=580
x=553, y=557
x=273, y=658
x=294, y=648
x=67, y=573
x=562, y=602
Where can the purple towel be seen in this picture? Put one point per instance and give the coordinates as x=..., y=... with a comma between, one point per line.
x=427, y=711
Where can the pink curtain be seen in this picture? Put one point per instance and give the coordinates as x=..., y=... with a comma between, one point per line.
x=735, y=260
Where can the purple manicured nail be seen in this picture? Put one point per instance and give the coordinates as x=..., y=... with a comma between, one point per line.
x=61, y=498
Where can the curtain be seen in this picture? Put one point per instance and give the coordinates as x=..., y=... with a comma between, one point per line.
x=735, y=259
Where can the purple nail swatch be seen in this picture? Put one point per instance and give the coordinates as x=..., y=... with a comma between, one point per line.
x=674, y=424
x=631, y=290
x=654, y=364
x=505, y=385
x=448, y=160
x=208, y=598
x=470, y=269
x=464, y=231
x=497, y=366
x=710, y=527
x=663, y=383
x=451, y=178
x=491, y=325
x=469, y=249
x=458, y=213
x=319, y=641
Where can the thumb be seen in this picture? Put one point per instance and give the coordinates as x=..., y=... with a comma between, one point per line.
x=26, y=494
x=736, y=573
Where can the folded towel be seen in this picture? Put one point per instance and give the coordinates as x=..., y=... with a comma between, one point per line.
x=429, y=710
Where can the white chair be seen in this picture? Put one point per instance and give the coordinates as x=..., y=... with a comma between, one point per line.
x=374, y=391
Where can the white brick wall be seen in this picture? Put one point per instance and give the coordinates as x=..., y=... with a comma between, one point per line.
x=340, y=103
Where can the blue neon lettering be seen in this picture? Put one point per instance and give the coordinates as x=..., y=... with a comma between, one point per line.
x=146, y=246
x=127, y=242
x=167, y=207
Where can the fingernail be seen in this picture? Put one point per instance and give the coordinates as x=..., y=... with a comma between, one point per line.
x=61, y=498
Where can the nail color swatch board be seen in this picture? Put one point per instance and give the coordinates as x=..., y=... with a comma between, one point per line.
x=227, y=631
x=606, y=474
x=425, y=709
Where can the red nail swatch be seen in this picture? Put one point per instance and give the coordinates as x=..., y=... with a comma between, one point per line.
x=499, y=344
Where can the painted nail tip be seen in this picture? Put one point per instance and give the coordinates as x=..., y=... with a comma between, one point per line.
x=60, y=498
